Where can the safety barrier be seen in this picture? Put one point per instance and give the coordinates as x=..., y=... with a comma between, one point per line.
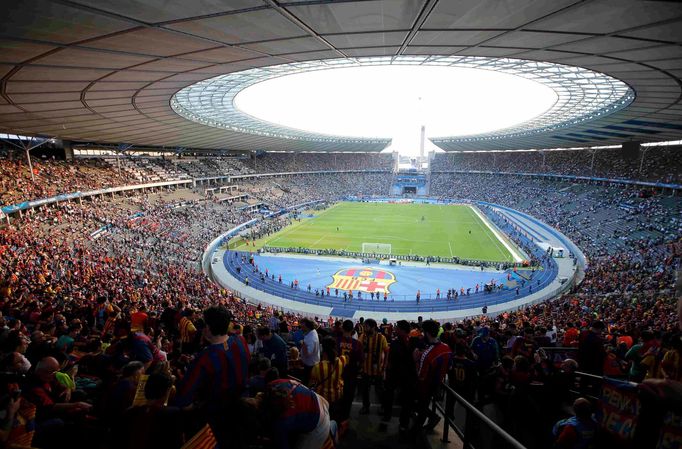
x=478, y=430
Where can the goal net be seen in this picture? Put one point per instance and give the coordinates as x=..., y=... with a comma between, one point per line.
x=376, y=248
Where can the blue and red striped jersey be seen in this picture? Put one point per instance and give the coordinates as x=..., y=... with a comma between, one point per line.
x=296, y=410
x=219, y=372
x=432, y=365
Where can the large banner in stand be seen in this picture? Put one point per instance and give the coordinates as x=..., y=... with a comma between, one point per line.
x=619, y=410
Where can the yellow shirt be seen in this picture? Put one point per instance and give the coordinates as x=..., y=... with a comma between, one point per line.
x=327, y=378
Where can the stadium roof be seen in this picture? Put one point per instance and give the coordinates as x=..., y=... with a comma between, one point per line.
x=105, y=71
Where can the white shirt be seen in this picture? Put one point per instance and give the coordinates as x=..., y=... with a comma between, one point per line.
x=551, y=334
x=311, y=356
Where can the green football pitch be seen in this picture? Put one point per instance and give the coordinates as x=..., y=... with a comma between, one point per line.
x=421, y=229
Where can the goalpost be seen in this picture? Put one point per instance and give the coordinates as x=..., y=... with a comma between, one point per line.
x=376, y=248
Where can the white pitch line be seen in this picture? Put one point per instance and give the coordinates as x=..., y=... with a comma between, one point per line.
x=318, y=240
x=517, y=257
x=449, y=246
x=494, y=241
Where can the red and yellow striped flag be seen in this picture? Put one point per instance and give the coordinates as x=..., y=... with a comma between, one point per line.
x=204, y=439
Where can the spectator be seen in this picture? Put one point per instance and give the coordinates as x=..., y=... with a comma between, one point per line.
x=375, y=349
x=274, y=349
x=187, y=331
x=644, y=357
x=54, y=416
x=310, y=348
x=433, y=362
x=485, y=351
x=401, y=376
x=351, y=348
x=463, y=374
x=326, y=378
x=294, y=413
x=153, y=425
x=218, y=374
x=142, y=348
x=579, y=431
x=256, y=383
x=123, y=392
x=591, y=349
x=138, y=319
x=65, y=343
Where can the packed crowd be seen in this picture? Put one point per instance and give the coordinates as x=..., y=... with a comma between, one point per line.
x=288, y=162
x=52, y=178
x=58, y=177
x=601, y=220
x=119, y=333
x=292, y=190
x=213, y=166
x=661, y=164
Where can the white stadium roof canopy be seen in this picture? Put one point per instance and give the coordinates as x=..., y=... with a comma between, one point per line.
x=106, y=71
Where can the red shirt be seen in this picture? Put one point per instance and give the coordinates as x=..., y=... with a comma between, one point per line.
x=138, y=321
x=625, y=339
x=571, y=336
x=432, y=365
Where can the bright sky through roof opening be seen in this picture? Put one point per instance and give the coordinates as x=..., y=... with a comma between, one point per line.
x=393, y=101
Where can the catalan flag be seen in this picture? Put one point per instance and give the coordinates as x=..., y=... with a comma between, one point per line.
x=204, y=439
x=23, y=428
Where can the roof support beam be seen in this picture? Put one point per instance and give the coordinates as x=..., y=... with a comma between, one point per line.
x=302, y=25
x=421, y=18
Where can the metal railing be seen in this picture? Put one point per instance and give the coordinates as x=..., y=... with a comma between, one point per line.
x=474, y=426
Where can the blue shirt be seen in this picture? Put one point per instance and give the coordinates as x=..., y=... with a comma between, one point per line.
x=486, y=351
x=297, y=336
x=277, y=351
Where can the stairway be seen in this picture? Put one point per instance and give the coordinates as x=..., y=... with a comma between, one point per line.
x=369, y=432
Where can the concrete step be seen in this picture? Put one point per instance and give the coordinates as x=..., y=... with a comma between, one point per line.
x=370, y=432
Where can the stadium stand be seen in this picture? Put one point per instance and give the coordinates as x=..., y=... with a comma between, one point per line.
x=288, y=162
x=660, y=164
x=55, y=177
x=112, y=285
x=139, y=162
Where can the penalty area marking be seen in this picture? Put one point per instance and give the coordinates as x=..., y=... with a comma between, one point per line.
x=517, y=257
